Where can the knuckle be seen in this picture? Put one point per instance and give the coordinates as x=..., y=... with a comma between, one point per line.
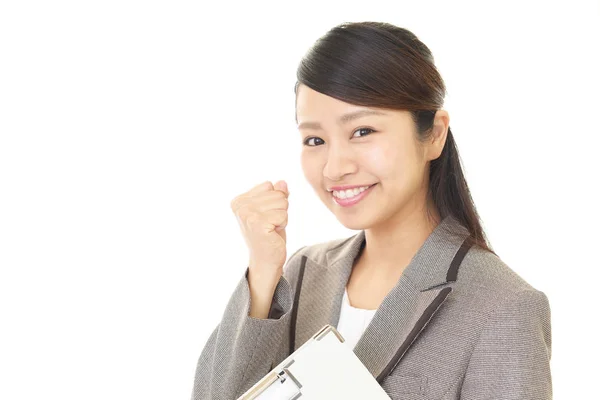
x=244, y=211
x=281, y=215
x=252, y=217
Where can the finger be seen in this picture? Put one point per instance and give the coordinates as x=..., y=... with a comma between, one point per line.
x=276, y=218
x=271, y=203
x=260, y=188
x=264, y=197
x=282, y=186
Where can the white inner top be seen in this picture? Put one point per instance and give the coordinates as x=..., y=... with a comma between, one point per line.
x=353, y=321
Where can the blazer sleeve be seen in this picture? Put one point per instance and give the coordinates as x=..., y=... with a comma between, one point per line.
x=512, y=357
x=241, y=349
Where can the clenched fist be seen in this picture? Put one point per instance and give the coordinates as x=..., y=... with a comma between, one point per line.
x=262, y=215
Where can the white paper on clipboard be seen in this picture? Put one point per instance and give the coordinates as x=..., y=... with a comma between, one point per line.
x=322, y=368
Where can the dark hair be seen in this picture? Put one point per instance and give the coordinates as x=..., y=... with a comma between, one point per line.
x=378, y=64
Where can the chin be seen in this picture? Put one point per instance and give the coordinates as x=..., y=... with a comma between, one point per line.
x=356, y=227
x=355, y=222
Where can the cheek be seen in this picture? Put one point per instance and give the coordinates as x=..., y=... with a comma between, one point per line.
x=309, y=168
x=393, y=164
x=383, y=161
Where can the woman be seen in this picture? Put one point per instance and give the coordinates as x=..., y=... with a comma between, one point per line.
x=425, y=303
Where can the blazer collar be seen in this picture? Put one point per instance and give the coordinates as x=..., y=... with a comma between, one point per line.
x=429, y=266
x=407, y=308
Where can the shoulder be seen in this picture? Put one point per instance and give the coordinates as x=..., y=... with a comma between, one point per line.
x=483, y=269
x=486, y=282
x=316, y=253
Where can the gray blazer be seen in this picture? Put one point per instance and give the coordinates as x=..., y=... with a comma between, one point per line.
x=459, y=324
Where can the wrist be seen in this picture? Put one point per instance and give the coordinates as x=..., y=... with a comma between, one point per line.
x=263, y=282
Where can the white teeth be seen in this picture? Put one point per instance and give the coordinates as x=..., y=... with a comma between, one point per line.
x=345, y=194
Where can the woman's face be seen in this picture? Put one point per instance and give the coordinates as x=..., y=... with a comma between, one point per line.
x=363, y=150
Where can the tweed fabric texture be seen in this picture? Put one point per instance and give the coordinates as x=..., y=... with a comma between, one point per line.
x=486, y=335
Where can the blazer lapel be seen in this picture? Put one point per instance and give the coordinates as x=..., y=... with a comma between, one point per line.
x=405, y=311
x=322, y=290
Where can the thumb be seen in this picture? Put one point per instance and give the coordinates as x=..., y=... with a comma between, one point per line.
x=282, y=185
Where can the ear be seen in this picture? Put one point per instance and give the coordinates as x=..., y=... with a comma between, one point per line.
x=437, y=140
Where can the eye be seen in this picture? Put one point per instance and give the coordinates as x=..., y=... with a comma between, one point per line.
x=306, y=141
x=364, y=129
x=317, y=138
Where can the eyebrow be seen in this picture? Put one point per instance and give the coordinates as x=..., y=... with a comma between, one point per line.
x=344, y=119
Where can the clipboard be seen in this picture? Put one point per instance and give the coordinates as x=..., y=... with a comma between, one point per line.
x=322, y=368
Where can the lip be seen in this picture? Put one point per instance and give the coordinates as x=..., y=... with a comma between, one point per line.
x=331, y=189
x=353, y=200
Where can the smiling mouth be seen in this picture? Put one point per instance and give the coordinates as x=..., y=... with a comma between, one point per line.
x=355, y=192
x=352, y=200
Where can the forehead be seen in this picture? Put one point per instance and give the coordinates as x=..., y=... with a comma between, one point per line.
x=311, y=103
x=313, y=106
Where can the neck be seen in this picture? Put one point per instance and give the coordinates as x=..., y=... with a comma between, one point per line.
x=391, y=246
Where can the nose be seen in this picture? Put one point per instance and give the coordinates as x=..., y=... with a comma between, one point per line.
x=340, y=162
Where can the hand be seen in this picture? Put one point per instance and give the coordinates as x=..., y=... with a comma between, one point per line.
x=262, y=215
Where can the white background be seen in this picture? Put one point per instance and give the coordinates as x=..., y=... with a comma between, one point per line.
x=128, y=126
